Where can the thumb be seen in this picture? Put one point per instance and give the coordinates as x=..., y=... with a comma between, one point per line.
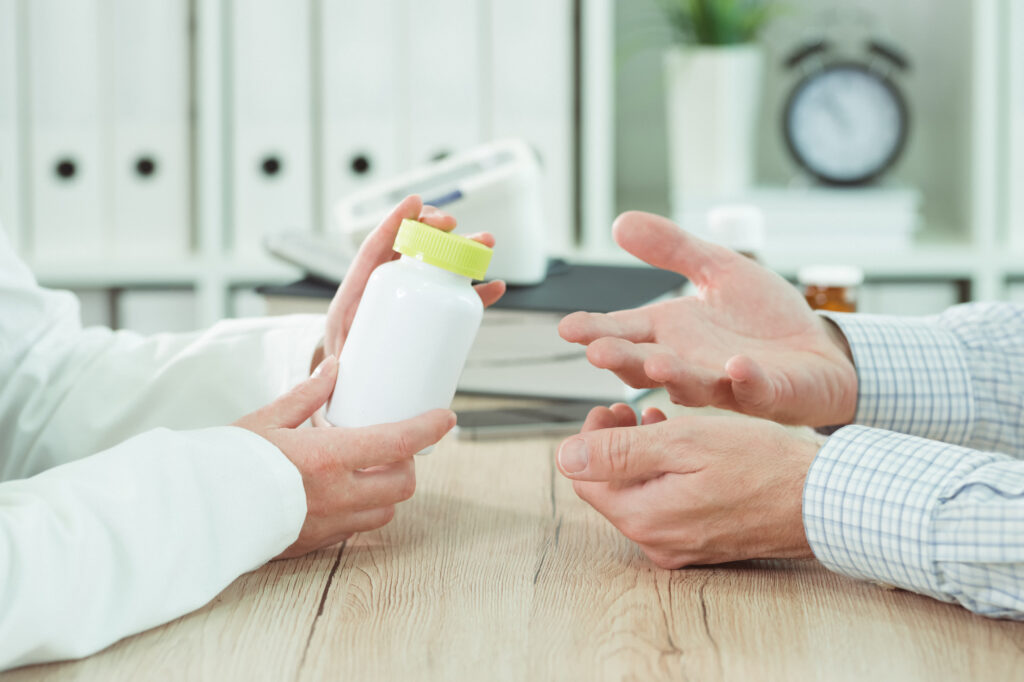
x=299, y=404
x=751, y=386
x=621, y=454
x=661, y=243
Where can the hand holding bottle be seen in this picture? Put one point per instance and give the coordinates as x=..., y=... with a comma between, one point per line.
x=376, y=250
x=353, y=478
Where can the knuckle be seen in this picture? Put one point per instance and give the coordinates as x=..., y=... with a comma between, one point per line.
x=321, y=463
x=617, y=450
x=634, y=378
x=404, y=443
x=687, y=394
x=621, y=448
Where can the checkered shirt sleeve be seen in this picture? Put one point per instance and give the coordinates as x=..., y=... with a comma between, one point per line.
x=914, y=496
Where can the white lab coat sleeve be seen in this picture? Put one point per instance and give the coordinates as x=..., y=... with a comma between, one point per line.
x=137, y=535
x=68, y=392
x=132, y=525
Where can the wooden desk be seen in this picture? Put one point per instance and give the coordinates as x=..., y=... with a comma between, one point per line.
x=495, y=570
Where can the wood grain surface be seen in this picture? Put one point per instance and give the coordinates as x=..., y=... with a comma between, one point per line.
x=495, y=570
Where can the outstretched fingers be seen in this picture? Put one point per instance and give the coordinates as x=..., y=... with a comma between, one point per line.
x=687, y=383
x=625, y=359
x=584, y=328
x=663, y=244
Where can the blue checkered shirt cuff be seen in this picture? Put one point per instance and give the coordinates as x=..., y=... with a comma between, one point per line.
x=871, y=502
x=912, y=376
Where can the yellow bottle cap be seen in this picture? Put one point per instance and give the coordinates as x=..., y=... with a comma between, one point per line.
x=452, y=252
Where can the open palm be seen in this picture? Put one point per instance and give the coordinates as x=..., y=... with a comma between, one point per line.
x=746, y=342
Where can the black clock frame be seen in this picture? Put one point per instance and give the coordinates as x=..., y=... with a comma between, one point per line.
x=886, y=82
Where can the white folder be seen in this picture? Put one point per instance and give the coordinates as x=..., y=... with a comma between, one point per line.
x=270, y=120
x=362, y=90
x=445, y=72
x=66, y=172
x=531, y=96
x=148, y=127
x=95, y=307
x=154, y=311
x=10, y=187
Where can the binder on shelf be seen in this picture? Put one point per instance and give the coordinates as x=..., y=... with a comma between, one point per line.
x=154, y=311
x=530, y=95
x=247, y=303
x=148, y=126
x=361, y=93
x=518, y=351
x=270, y=120
x=95, y=307
x=10, y=172
x=66, y=174
x=445, y=113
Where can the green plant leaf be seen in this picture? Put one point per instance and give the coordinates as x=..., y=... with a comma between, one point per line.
x=718, y=22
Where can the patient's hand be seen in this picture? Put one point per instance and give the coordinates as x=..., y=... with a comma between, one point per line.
x=352, y=477
x=377, y=250
x=746, y=342
x=694, y=489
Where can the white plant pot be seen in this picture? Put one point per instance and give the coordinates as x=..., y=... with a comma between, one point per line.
x=713, y=97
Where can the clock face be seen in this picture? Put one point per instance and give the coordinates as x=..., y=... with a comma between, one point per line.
x=845, y=124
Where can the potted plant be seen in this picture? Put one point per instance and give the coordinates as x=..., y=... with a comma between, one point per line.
x=713, y=91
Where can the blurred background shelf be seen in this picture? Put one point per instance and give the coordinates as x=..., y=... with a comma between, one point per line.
x=590, y=96
x=965, y=155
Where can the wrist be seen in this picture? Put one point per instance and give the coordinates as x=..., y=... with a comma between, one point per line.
x=838, y=339
x=805, y=448
x=847, y=388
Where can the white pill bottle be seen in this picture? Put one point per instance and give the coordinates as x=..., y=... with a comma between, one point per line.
x=412, y=330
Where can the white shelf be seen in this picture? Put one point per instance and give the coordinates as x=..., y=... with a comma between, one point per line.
x=180, y=273
x=938, y=262
x=966, y=95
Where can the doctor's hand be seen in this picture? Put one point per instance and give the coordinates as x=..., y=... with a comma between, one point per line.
x=352, y=477
x=378, y=249
x=693, y=490
x=747, y=342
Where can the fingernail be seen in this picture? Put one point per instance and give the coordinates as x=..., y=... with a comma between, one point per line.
x=573, y=456
x=451, y=420
x=324, y=364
